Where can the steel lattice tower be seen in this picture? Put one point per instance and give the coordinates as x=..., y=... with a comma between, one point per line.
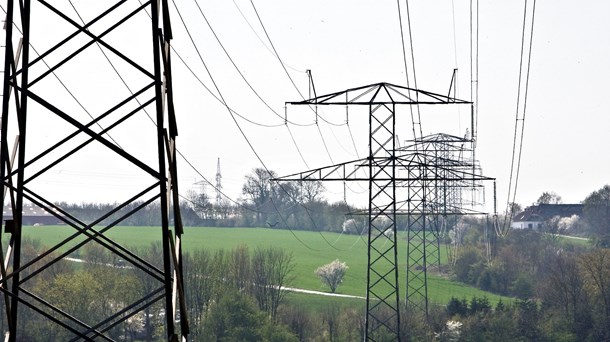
x=120, y=30
x=388, y=171
x=439, y=171
x=218, y=185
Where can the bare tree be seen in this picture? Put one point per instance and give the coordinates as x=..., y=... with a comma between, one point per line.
x=238, y=272
x=259, y=190
x=548, y=197
x=332, y=274
x=200, y=202
x=271, y=269
x=311, y=191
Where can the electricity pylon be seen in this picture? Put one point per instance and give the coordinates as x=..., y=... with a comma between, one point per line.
x=388, y=172
x=218, y=185
x=65, y=43
x=439, y=172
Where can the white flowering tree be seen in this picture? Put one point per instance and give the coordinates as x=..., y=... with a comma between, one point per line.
x=332, y=274
x=451, y=332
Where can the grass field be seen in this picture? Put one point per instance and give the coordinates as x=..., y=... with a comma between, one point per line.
x=310, y=250
x=577, y=241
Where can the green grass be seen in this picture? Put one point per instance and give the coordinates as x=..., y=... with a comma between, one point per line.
x=310, y=250
x=317, y=304
x=573, y=240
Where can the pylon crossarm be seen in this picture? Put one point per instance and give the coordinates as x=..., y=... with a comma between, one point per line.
x=340, y=172
x=380, y=94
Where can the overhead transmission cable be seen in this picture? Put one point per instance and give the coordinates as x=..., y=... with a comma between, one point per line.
x=179, y=152
x=415, y=115
x=252, y=88
x=65, y=87
x=455, y=68
x=284, y=66
x=249, y=143
x=231, y=111
x=209, y=90
x=517, y=150
x=259, y=37
x=474, y=65
x=239, y=71
x=297, y=146
x=413, y=65
x=294, y=84
x=114, y=68
x=215, y=96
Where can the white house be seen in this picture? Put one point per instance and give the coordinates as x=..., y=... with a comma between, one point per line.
x=534, y=216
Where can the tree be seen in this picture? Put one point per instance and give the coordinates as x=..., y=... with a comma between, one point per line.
x=332, y=274
x=562, y=288
x=200, y=202
x=551, y=226
x=512, y=209
x=548, y=197
x=236, y=318
x=203, y=277
x=259, y=191
x=464, y=263
x=457, y=307
x=239, y=272
x=77, y=294
x=233, y=318
x=311, y=191
x=271, y=269
x=596, y=212
x=596, y=269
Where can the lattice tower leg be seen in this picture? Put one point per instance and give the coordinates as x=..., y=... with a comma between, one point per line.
x=30, y=287
x=382, y=308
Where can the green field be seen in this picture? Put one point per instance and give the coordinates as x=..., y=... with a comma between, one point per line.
x=310, y=250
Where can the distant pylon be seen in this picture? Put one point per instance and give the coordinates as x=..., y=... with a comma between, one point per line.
x=218, y=184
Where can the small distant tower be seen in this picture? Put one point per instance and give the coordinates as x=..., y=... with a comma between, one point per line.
x=218, y=184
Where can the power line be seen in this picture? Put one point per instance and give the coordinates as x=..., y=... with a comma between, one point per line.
x=297, y=146
x=413, y=64
x=416, y=122
x=259, y=38
x=179, y=152
x=242, y=131
x=293, y=83
x=66, y=87
x=519, y=121
x=237, y=69
x=220, y=99
x=284, y=66
x=275, y=51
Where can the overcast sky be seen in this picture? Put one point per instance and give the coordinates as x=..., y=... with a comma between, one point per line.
x=353, y=43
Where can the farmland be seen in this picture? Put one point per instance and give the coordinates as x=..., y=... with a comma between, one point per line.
x=310, y=250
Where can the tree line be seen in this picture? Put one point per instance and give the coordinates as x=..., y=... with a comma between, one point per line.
x=263, y=203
